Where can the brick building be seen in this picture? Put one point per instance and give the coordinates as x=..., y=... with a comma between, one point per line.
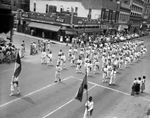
x=51, y=18
x=124, y=15
x=137, y=7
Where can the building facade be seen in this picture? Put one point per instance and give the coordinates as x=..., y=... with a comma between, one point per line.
x=52, y=18
x=124, y=15
x=82, y=8
x=137, y=7
x=146, y=14
x=17, y=4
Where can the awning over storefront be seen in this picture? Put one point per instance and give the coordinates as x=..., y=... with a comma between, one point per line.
x=45, y=26
x=122, y=27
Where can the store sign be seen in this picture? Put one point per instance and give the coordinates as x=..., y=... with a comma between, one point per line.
x=80, y=22
x=60, y=20
x=40, y=17
x=50, y=18
x=25, y=15
x=33, y=16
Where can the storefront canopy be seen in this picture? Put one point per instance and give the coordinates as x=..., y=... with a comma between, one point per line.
x=45, y=26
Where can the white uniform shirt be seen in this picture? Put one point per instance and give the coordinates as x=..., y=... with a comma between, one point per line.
x=50, y=56
x=90, y=105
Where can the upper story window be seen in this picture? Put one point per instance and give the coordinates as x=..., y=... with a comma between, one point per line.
x=14, y=3
x=52, y=9
x=34, y=7
x=76, y=9
x=61, y=8
x=68, y=9
x=90, y=11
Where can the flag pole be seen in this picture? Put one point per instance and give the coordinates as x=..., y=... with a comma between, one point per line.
x=87, y=86
x=15, y=61
x=15, y=65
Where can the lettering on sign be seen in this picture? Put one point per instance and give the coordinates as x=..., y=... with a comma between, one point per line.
x=60, y=20
x=25, y=15
x=80, y=22
x=40, y=17
x=32, y=16
x=50, y=18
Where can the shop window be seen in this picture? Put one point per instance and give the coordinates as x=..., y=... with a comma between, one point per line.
x=34, y=8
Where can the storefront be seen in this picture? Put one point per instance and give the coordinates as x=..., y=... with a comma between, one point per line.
x=44, y=30
x=122, y=28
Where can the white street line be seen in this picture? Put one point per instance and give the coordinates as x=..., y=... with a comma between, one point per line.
x=112, y=89
x=7, y=103
x=65, y=104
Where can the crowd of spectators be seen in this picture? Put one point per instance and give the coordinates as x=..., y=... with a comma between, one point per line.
x=7, y=52
x=85, y=40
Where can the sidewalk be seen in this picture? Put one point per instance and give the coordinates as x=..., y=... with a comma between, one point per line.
x=38, y=38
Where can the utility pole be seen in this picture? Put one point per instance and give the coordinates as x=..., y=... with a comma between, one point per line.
x=11, y=30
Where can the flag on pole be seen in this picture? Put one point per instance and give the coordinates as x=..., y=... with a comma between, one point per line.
x=17, y=66
x=83, y=86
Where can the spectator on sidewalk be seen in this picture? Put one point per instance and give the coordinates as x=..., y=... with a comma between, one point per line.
x=22, y=51
x=143, y=84
x=31, y=48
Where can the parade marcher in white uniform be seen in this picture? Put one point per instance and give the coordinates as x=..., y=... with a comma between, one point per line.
x=14, y=86
x=89, y=106
x=96, y=67
x=22, y=51
x=143, y=84
x=112, y=76
x=72, y=62
x=79, y=64
x=49, y=58
x=63, y=58
x=75, y=51
x=89, y=68
x=82, y=52
x=58, y=72
x=69, y=54
x=43, y=57
x=105, y=69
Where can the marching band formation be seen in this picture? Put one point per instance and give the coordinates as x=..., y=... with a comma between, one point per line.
x=109, y=57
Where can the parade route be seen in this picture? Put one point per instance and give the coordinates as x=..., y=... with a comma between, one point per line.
x=15, y=100
x=42, y=98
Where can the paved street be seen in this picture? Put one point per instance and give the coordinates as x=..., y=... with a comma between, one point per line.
x=42, y=98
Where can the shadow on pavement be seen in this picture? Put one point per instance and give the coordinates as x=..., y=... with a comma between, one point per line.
x=27, y=99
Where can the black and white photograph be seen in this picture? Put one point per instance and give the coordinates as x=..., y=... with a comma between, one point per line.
x=74, y=58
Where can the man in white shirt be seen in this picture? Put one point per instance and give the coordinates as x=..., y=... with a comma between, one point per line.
x=89, y=108
x=14, y=86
